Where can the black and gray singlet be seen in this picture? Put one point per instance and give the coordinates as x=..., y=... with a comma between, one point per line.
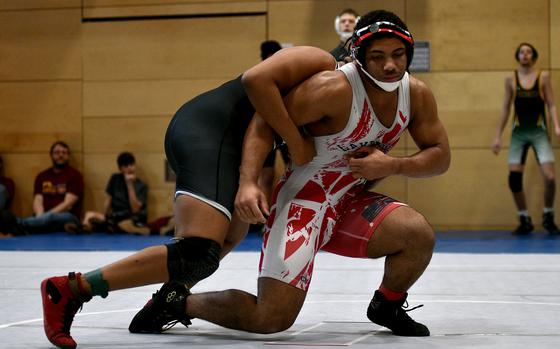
x=203, y=144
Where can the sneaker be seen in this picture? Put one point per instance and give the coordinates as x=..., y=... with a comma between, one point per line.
x=163, y=311
x=548, y=223
x=525, y=226
x=60, y=305
x=392, y=314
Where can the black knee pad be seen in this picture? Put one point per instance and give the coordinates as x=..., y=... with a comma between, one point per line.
x=515, y=180
x=192, y=259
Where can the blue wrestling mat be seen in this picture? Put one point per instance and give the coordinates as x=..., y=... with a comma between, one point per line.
x=447, y=242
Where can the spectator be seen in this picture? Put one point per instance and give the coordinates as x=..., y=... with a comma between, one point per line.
x=125, y=207
x=7, y=189
x=58, y=193
x=8, y=223
x=344, y=25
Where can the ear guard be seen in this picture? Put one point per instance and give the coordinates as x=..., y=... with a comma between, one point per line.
x=364, y=33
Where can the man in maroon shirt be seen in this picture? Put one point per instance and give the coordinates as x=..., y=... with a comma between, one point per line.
x=58, y=193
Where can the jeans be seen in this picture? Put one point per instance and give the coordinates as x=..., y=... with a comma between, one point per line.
x=47, y=222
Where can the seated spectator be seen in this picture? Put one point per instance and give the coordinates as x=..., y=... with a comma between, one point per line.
x=58, y=193
x=125, y=207
x=7, y=189
x=8, y=225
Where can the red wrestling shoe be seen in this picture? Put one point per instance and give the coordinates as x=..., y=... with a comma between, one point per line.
x=61, y=302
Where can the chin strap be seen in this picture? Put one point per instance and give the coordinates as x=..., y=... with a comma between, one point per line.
x=386, y=86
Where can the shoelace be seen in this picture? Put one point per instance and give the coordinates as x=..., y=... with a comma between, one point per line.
x=406, y=305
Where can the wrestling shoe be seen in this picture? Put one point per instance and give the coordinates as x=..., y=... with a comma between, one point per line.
x=61, y=302
x=165, y=309
x=525, y=226
x=392, y=314
x=548, y=223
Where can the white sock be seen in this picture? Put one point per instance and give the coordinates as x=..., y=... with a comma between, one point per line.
x=548, y=210
x=522, y=213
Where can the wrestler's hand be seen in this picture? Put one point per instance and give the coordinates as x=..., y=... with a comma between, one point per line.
x=304, y=152
x=557, y=131
x=496, y=146
x=251, y=204
x=371, y=163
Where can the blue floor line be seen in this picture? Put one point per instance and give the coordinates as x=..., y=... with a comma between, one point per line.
x=446, y=242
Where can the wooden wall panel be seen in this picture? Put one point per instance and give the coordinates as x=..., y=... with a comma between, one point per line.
x=124, y=3
x=554, y=34
x=38, y=4
x=311, y=22
x=23, y=168
x=469, y=105
x=479, y=34
x=141, y=97
x=205, y=48
x=33, y=115
x=474, y=193
x=40, y=45
x=136, y=134
x=174, y=9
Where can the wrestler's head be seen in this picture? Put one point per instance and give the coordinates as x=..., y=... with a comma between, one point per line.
x=383, y=47
x=526, y=54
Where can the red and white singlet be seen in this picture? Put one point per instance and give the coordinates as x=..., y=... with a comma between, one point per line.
x=309, y=200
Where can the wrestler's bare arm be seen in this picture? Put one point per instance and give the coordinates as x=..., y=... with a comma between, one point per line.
x=266, y=82
x=428, y=133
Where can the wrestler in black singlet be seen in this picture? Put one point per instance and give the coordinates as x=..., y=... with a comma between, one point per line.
x=203, y=144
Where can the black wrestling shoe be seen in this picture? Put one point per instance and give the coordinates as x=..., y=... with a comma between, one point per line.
x=163, y=311
x=392, y=314
x=525, y=226
x=548, y=223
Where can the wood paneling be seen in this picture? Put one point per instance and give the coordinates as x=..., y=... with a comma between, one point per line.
x=311, y=22
x=471, y=35
x=35, y=114
x=174, y=9
x=124, y=3
x=136, y=134
x=141, y=97
x=199, y=48
x=38, y=4
x=40, y=45
x=474, y=193
x=554, y=34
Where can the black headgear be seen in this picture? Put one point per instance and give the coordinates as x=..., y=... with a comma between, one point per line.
x=363, y=35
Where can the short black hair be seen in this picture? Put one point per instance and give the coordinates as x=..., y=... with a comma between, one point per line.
x=269, y=47
x=125, y=159
x=535, y=53
x=62, y=144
